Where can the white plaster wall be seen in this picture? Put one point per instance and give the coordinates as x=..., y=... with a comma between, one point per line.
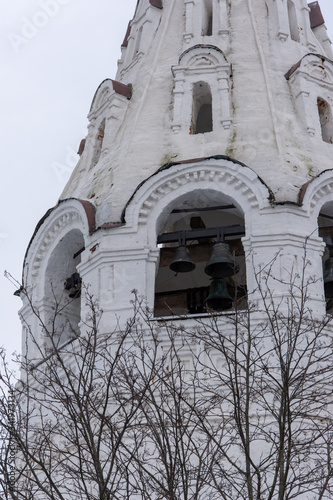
x=267, y=134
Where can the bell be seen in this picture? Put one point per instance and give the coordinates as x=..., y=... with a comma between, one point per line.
x=218, y=298
x=182, y=262
x=328, y=278
x=221, y=263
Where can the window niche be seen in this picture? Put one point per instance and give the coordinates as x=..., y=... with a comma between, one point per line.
x=195, y=225
x=62, y=290
x=293, y=24
x=202, y=112
x=326, y=121
x=99, y=143
x=313, y=94
x=203, y=75
x=207, y=18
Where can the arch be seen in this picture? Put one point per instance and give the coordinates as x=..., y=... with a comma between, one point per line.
x=312, y=78
x=159, y=193
x=315, y=66
x=317, y=199
x=103, y=95
x=71, y=213
x=204, y=65
x=201, y=56
x=62, y=290
x=54, y=252
x=316, y=193
x=206, y=193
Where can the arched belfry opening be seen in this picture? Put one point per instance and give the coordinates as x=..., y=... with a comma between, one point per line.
x=62, y=290
x=207, y=18
x=325, y=229
x=202, y=111
x=202, y=262
x=293, y=24
x=326, y=120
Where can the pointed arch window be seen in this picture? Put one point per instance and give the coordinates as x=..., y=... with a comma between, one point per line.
x=207, y=18
x=202, y=116
x=326, y=121
x=293, y=25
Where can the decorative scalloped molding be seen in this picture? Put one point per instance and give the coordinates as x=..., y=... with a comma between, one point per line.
x=197, y=175
x=322, y=192
x=51, y=235
x=316, y=193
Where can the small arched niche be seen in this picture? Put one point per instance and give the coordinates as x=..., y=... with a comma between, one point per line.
x=62, y=291
x=207, y=18
x=326, y=121
x=293, y=24
x=199, y=221
x=99, y=142
x=138, y=42
x=202, y=111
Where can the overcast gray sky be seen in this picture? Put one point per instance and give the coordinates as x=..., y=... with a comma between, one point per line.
x=54, y=54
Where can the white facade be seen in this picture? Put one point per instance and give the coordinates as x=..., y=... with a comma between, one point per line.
x=261, y=74
x=219, y=119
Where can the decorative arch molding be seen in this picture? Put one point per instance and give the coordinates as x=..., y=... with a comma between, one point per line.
x=69, y=214
x=104, y=95
x=316, y=193
x=198, y=57
x=218, y=173
x=313, y=67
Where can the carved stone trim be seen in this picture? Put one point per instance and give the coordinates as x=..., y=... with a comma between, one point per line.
x=51, y=235
x=220, y=178
x=51, y=227
x=315, y=193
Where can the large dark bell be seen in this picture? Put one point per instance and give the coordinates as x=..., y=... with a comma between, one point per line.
x=221, y=263
x=218, y=298
x=182, y=262
x=328, y=278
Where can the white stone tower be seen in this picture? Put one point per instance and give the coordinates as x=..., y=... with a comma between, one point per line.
x=218, y=124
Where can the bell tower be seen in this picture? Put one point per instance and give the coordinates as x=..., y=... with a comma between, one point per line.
x=215, y=135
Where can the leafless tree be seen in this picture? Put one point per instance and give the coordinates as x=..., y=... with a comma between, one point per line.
x=231, y=406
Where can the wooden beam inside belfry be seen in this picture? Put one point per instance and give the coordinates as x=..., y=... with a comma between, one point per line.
x=198, y=234
x=204, y=209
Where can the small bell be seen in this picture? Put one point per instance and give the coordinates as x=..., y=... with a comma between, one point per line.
x=218, y=298
x=182, y=262
x=328, y=278
x=221, y=263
